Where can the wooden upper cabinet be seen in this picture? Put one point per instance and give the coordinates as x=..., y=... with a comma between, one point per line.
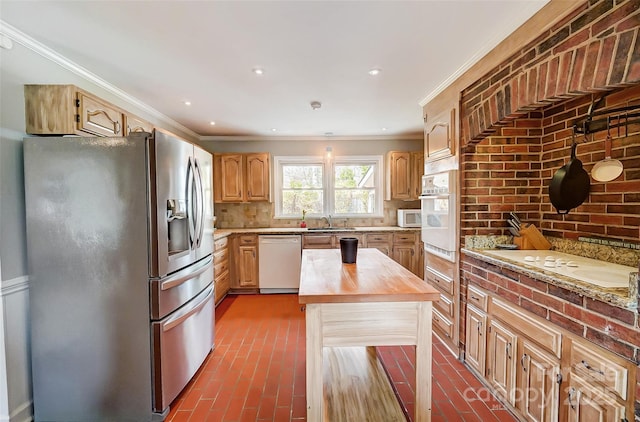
x=69, y=110
x=439, y=135
x=136, y=124
x=257, y=177
x=399, y=177
x=241, y=177
x=404, y=174
x=98, y=117
x=231, y=177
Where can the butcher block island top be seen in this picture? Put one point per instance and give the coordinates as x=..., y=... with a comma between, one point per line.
x=373, y=278
x=351, y=308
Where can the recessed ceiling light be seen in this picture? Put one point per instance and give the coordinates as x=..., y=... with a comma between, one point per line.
x=212, y=123
x=374, y=72
x=273, y=129
x=258, y=70
x=187, y=103
x=384, y=128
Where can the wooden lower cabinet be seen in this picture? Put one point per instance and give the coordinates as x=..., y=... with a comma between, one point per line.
x=475, y=346
x=441, y=274
x=245, y=275
x=381, y=241
x=538, y=380
x=587, y=403
x=543, y=372
x=222, y=270
x=501, y=365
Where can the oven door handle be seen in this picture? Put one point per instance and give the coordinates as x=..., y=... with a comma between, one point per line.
x=180, y=278
x=186, y=313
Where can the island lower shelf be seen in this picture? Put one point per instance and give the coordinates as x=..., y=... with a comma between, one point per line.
x=356, y=387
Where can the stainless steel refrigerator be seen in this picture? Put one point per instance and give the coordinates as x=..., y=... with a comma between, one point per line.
x=120, y=242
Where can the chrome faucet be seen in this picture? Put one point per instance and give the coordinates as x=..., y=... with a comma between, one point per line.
x=328, y=219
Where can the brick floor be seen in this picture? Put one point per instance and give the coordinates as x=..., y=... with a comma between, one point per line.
x=257, y=371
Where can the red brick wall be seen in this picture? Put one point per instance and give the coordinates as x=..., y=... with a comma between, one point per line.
x=512, y=170
x=593, y=49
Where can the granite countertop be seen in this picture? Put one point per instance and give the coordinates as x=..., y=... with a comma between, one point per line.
x=621, y=297
x=221, y=233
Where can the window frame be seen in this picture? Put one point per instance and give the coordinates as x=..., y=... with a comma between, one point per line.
x=328, y=183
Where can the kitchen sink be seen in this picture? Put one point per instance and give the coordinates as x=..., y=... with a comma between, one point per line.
x=327, y=229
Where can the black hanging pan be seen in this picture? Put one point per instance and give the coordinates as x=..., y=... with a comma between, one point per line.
x=570, y=184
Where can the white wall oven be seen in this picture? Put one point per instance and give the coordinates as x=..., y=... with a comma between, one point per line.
x=438, y=207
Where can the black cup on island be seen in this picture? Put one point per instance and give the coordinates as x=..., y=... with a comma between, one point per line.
x=349, y=249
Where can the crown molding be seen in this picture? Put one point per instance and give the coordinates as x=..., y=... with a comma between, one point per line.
x=25, y=40
x=493, y=43
x=259, y=138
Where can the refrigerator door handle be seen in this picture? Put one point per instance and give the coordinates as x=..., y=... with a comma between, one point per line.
x=180, y=278
x=190, y=201
x=201, y=210
x=186, y=313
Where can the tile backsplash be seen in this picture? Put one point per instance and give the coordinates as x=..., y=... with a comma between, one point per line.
x=260, y=214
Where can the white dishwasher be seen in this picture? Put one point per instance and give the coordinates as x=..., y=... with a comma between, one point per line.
x=279, y=263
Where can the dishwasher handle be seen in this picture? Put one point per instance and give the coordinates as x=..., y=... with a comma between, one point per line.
x=279, y=239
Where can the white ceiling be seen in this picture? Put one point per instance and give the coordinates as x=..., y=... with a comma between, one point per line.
x=166, y=52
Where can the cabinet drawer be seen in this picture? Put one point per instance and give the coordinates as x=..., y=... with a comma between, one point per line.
x=442, y=324
x=221, y=255
x=440, y=265
x=539, y=331
x=248, y=239
x=378, y=237
x=444, y=305
x=404, y=237
x=321, y=241
x=340, y=236
x=220, y=268
x=595, y=366
x=220, y=243
x=440, y=281
x=223, y=280
x=477, y=297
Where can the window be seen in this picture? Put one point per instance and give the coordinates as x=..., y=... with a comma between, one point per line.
x=342, y=187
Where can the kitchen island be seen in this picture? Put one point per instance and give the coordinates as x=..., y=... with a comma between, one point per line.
x=374, y=302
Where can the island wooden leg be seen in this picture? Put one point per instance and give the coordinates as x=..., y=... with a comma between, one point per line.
x=423, y=364
x=315, y=398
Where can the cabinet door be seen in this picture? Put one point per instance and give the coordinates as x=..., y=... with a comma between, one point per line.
x=476, y=344
x=500, y=360
x=538, y=393
x=231, y=171
x=405, y=256
x=257, y=177
x=439, y=136
x=248, y=270
x=136, y=124
x=417, y=171
x=400, y=175
x=588, y=403
x=98, y=117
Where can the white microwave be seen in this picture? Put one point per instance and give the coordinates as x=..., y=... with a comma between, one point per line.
x=409, y=218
